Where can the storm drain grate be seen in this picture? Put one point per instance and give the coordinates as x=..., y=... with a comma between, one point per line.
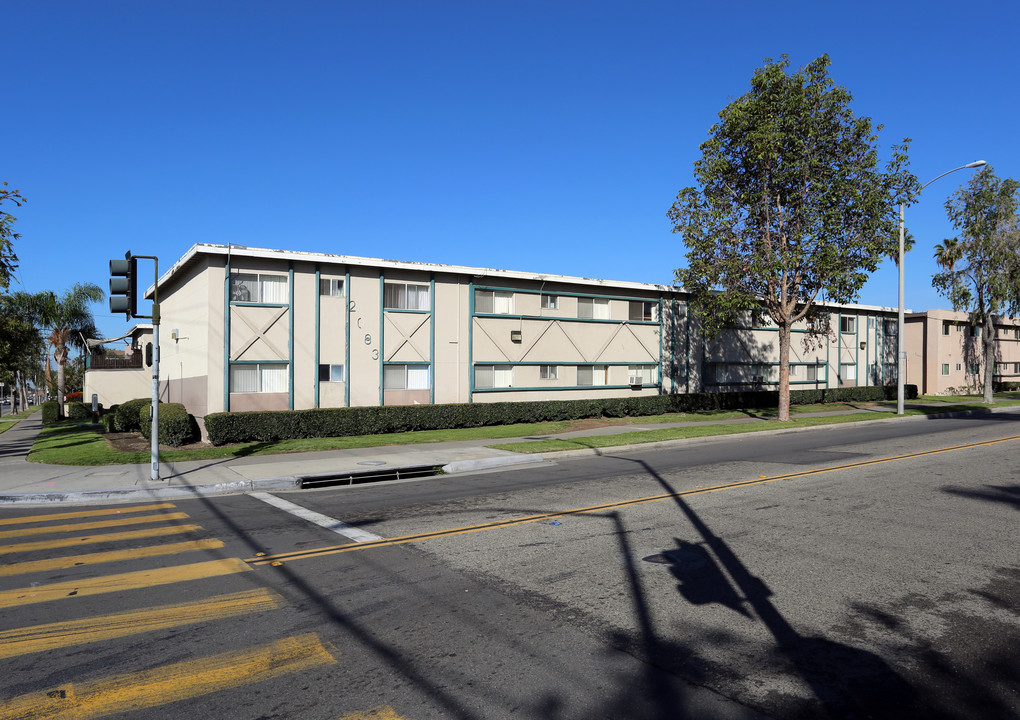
x=358, y=477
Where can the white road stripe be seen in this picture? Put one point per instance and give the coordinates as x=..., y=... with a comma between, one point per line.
x=325, y=521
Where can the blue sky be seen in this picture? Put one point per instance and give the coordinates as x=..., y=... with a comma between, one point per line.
x=545, y=136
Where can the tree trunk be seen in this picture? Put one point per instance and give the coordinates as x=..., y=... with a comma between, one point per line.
x=784, y=371
x=988, y=345
x=61, y=357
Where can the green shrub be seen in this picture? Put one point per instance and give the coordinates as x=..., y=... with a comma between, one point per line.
x=107, y=421
x=176, y=426
x=128, y=415
x=80, y=411
x=50, y=412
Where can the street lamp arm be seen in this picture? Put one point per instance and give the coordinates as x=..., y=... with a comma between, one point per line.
x=968, y=166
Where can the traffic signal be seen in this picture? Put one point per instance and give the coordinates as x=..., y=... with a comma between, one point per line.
x=122, y=286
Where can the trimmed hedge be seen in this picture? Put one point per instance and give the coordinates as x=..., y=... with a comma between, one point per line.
x=176, y=426
x=50, y=412
x=127, y=418
x=80, y=411
x=268, y=426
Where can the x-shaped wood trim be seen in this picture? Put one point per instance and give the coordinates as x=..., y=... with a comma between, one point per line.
x=260, y=335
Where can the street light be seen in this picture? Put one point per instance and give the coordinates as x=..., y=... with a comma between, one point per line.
x=901, y=368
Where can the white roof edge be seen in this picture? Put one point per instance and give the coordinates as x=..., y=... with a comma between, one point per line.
x=304, y=256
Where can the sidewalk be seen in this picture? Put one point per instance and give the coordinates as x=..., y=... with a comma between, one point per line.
x=23, y=482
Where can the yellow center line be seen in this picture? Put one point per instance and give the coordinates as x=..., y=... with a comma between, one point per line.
x=170, y=683
x=122, y=581
x=70, y=561
x=105, y=537
x=52, y=636
x=381, y=712
x=400, y=540
x=84, y=513
x=97, y=525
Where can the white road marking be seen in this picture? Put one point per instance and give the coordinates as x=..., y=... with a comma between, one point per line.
x=340, y=528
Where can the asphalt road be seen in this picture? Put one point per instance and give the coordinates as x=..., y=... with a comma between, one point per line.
x=861, y=571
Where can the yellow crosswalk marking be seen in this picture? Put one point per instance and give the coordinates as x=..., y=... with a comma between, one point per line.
x=169, y=683
x=52, y=517
x=78, y=527
x=70, y=561
x=121, y=581
x=51, y=636
x=104, y=537
x=383, y=712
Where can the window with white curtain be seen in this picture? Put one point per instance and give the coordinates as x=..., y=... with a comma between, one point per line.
x=643, y=311
x=592, y=375
x=645, y=372
x=594, y=308
x=550, y=302
x=405, y=296
x=259, y=378
x=331, y=287
x=548, y=372
x=494, y=302
x=494, y=376
x=406, y=377
x=258, y=288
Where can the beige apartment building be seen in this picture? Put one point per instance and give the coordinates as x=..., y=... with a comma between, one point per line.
x=945, y=353
x=256, y=329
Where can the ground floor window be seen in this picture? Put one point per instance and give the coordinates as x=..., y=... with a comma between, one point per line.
x=945, y=368
x=258, y=378
x=494, y=376
x=848, y=372
x=592, y=375
x=641, y=374
x=331, y=373
x=406, y=377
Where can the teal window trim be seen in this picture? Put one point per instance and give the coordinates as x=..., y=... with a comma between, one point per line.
x=238, y=303
x=661, y=325
x=551, y=318
x=347, y=337
x=290, y=339
x=560, y=294
x=566, y=363
x=318, y=329
x=432, y=338
x=408, y=312
x=226, y=334
x=557, y=388
x=382, y=325
x=471, y=340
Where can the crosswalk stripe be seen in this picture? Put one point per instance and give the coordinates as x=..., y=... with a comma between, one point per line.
x=70, y=561
x=104, y=537
x=169, y=683
x=121, y=581
x=99, y=524
x=84, y=513
x=52, y=636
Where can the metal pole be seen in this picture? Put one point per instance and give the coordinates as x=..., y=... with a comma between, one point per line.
x=154, y=448
x=901, y=352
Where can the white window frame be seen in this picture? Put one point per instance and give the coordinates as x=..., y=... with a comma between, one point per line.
x=848, y=324
x=593, y=308
x=494, y=302
x=331, y=287
x=550, y=302
x=598, y=375
x=645, y=372
x=335, y=372
x=848, y=371
x=811, y=373
x=407, y=376
x=643, y=311
x=399, y=295
x=263, y=374
x=945, y=369
x=491, y=377
x=548, y=372
x=266, y=288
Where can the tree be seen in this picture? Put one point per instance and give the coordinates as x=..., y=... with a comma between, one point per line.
x=68, y=318
x=981, y=267
x=8, y=260
x=792, y=207
x=21, y=345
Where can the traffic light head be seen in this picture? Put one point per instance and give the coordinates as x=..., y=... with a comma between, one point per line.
x=122, y=286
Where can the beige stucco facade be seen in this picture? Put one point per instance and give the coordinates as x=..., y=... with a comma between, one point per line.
x=945, y=353
x=255, y=329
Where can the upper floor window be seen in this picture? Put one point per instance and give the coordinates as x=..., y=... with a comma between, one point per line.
x=595, y=308
x=641, y=311
x=891, y=327
x=494, y=302
x=550, y=302
x=405, y=296
x=945, y=327
x=331, y=287
x=258, y=288
x=847, y=324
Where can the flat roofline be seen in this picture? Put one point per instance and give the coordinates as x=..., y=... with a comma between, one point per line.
x=309, y=257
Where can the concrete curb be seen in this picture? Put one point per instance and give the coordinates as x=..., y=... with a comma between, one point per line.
x=182, y=492
x=463, y=466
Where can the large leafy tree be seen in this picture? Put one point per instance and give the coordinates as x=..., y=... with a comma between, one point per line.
x=792, y=206
x=981, y=266
x=68, y=318
x=8, y=260
x=21, y=344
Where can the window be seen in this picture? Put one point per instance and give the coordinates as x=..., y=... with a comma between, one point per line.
x=891, y=327
x=258, y=288
x=548, y=372
x=494, y=376
x=494, y=302
x=945, y=327
x=1016, y=331
x=406, y=377
x=591, y=375
x=331, y=373
x=848, y=372
x=258, y=378
x=595, y=308
x=641, y=311
x=331, y=287
x=644, y=374
x=405, y=296
x=945, y=368
x=973, y=369
x=959, y=328
x=959, y=367
x=761, y=373
x=550, y=302
x=847, y=324
x=975, y=331
x=811, y=371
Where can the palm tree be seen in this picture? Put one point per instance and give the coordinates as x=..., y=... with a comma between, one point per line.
x=948, y=253
x=68, y=318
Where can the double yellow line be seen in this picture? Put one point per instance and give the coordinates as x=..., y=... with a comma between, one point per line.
x=510, y=522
